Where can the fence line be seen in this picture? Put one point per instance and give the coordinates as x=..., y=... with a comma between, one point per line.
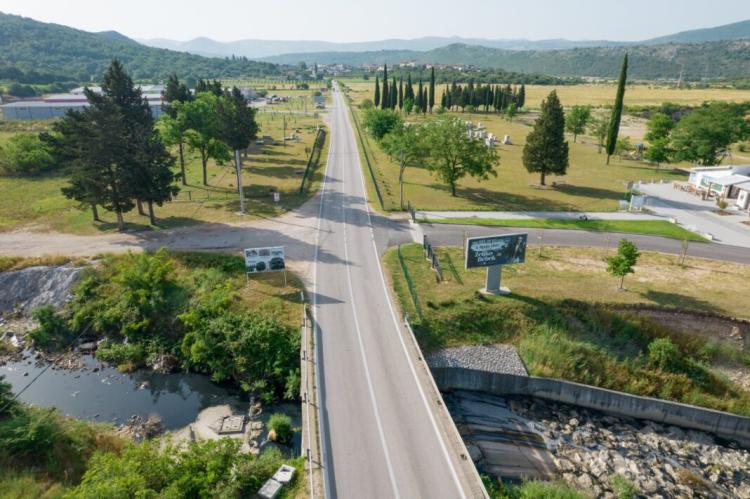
x=432, y=257
x=367, y=160
x=314, y=158
x=409, y=284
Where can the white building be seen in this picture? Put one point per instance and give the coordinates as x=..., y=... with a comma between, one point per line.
x=731, y=183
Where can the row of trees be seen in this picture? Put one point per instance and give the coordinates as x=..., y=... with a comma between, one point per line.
x=497, y=98
x=402, y=95
x=117, y=154
x=397, y=94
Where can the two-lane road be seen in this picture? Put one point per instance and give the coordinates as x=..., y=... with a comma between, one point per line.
x=380, y=437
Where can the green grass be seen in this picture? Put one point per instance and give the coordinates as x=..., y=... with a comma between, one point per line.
x=590, y=185
x=648, y=227
x=36, y=203
x=562, y=318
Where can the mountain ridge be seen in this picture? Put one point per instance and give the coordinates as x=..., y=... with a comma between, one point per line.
x=258, y=48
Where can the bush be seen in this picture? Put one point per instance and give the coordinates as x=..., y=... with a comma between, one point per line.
x=25, y=155
x=126, y=356
x=281, y=424
x=53, y=331
x=623, y=488
x=663, y=354
x=381, y=121
x=7, y=404
x=366, y=104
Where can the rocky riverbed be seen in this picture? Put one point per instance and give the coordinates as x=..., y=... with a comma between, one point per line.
x=589, y=448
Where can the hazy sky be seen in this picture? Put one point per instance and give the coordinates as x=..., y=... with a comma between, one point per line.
x=358, y=20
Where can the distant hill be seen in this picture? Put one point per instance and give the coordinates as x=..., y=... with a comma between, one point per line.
x=734, y=31
x=257, y=49
x=40, y=49
x=726, y=59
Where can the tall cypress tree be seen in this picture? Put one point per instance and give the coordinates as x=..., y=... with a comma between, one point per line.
x=522, y=96
x=401, y=93
x=394, y=93
x=546, y=150
x=384, y=99
x=431, y=101
x=420, y=95
x=409, y=91
x=614, y=124
x=377, y=91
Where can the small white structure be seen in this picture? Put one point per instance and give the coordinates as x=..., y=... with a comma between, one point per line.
x=506, y=140
x=273, y=485
x=725, y=182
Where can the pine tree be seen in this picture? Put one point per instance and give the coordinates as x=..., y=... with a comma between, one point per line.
x=384, y=99
x=614, y=123
x=377, y=91
x=546, y=150
x=431, y=101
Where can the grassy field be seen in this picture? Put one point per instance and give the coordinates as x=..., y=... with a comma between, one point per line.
x=560, y=318
x=648, y=227
x=36, y=203
x=590, y=184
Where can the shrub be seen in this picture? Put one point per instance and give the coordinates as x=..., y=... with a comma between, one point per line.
x=663, y=354
x=53, y=331
x=7, y=404
x=366, y=104
x=381, y=121
x=623, y=488
x=126, y=356
x=281, y=424
x=721, y=203
x=25, y=154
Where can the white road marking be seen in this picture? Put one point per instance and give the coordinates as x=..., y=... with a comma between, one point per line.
x=366, y=366
x=316, y=335
x=400, y=336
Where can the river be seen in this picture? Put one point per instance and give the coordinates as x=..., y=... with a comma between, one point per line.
x=108, y=395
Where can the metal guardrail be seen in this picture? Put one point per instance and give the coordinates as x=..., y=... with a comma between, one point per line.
x=367, y=160
x=314, y=159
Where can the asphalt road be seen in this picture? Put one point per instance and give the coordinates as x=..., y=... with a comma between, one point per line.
x=452, y=235
x=380, y=436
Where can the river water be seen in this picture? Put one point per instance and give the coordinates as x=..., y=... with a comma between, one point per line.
x=108, y=395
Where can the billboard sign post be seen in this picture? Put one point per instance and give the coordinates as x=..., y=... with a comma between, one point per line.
x=267, y=259
x=493, y=252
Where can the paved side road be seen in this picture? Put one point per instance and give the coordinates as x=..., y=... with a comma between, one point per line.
x=453, y=235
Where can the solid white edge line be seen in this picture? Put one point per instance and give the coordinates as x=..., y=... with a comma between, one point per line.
x=398, y=329
x=365, y=365
x=316, y=334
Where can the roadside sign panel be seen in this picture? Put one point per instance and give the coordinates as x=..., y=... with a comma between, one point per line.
x=504, y=249
x=269, y=259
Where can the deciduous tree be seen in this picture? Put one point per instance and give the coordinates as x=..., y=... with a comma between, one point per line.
x=453, y=154
x=577, y=120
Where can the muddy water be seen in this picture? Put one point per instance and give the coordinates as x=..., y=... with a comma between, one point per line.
x=110, y=396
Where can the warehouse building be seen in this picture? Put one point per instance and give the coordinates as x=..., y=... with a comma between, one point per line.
x=55, y=106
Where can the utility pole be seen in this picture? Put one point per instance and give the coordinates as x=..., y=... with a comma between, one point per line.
x=238, y=162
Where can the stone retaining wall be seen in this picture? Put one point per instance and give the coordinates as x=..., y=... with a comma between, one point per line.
x=724, y=425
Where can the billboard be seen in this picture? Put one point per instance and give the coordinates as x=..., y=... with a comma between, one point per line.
x=496, y=250
x=270, y=259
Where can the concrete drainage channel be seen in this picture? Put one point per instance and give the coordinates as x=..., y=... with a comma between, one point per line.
x=516, y=426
